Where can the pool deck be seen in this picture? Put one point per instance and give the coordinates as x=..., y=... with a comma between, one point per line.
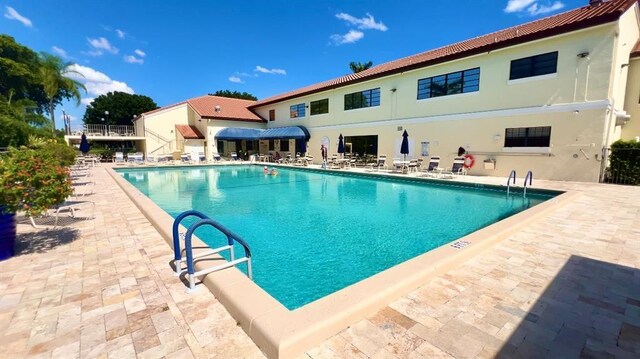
x=566, y=285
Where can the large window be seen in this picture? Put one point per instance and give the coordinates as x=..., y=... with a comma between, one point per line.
x=297, y=110
x=449, y=84
x=272, y=145
x=319, y=107
x=527, y=137
x=284, y=145
x=534, y=66
x=368, y=98
x=272, y=115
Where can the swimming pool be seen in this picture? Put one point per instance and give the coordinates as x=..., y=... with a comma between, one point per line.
x=312, y=232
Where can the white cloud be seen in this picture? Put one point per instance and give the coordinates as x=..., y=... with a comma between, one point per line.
x=140, y=53
x=532, y=7
x=272, y=71
x=60, y=52
x=236, y=79
x=364, y=23
x=517, y=5
x=133, y=60
x=121, y=34
x=348, y=38
x=100, y=45
x=96, y=82
x=536, y=9
x=87, y=100
x=12, y=14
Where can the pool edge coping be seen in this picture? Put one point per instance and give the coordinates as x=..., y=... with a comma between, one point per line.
x=281, y=333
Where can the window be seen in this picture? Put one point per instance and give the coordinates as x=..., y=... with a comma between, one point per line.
x=284, y=145
x=319, y=107
x=272, y=115
x=220, y=146
x=527, y=137
x=297, y=110
x=449, y=84
x=368, y=98
x=272, y=145
x=534, y=66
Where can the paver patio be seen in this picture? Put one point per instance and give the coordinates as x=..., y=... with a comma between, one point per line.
x=567, y=285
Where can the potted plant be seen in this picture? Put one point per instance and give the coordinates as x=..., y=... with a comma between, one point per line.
x=32, y=181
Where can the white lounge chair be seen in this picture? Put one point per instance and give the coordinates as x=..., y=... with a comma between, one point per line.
x=119, y=158
x=379, y=164
x=73, y=207
x=457, y=168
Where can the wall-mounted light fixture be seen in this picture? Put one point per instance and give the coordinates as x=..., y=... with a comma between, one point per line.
x=393, y=89
x=217, y=108
x=584, y=54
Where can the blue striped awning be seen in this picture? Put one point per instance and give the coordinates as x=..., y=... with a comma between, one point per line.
x=283, y=133
x=235, y=133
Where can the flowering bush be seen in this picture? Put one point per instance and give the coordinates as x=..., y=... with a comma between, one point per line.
x=32, y=181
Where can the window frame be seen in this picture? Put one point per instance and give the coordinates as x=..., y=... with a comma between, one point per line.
x=534, y=66
x=427, y=84
x=527, y=139
x=368, y=98
x=316, y=104
x=272, y=115
x=297, y=109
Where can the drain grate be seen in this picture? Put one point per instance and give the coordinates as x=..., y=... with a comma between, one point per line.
x=460, y=244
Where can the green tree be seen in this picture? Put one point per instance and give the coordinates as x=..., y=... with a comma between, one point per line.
x=18, y=123
x=121, y=107
x=57, y=86
x=19, y=69
x=359, y=66
x=235, y=94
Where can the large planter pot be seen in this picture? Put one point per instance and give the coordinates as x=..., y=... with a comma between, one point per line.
x=7, y=235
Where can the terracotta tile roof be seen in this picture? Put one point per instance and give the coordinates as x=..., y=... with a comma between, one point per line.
x=230, y=108
x=636, y=50
x=584, y=17
x=189, y=132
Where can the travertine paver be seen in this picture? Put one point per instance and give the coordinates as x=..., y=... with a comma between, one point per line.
x=567, y=285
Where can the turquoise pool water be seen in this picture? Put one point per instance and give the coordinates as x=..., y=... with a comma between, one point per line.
x=313, y=233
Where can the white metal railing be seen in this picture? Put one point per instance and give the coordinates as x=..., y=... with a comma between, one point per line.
x=109, y=130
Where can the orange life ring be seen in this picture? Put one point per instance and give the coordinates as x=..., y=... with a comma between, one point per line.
x=469, y=161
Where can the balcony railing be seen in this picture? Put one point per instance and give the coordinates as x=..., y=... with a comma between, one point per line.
x=106, y=130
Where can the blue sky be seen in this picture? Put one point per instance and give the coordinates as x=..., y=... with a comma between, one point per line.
x=174, y=50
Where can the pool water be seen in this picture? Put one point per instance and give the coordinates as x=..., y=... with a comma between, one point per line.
x=312, y=233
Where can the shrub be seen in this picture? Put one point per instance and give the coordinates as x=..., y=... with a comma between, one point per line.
x=624, y=165
x=32, y=180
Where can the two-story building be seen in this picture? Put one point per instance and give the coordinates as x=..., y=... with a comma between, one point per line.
x=548, y=96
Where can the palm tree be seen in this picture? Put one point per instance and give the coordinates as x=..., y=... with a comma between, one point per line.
x=358, y=66
x=53, y=74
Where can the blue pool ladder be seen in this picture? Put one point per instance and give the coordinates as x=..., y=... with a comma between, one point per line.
x=190, y=258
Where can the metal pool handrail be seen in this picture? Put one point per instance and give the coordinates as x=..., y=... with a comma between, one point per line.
x=231, y=238
x=511, y=175
x=530, y=178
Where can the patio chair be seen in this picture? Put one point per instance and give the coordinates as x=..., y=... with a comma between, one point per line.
x=381, y=162
x=73, y=207
x=397, y=165
x=216, y=157
x=185, y=158
x=119, y=158
x=202, y=157
x=433, y=166
x=457, y=168
x=413, y=165
x=234, y=157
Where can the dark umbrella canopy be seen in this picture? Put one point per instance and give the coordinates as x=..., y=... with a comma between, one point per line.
x=84, y=144
x=340, y=144
x=404, y=147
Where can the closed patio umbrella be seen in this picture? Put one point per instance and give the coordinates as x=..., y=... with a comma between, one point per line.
x=341, y=145
x=404, y=147
x=84, y=144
